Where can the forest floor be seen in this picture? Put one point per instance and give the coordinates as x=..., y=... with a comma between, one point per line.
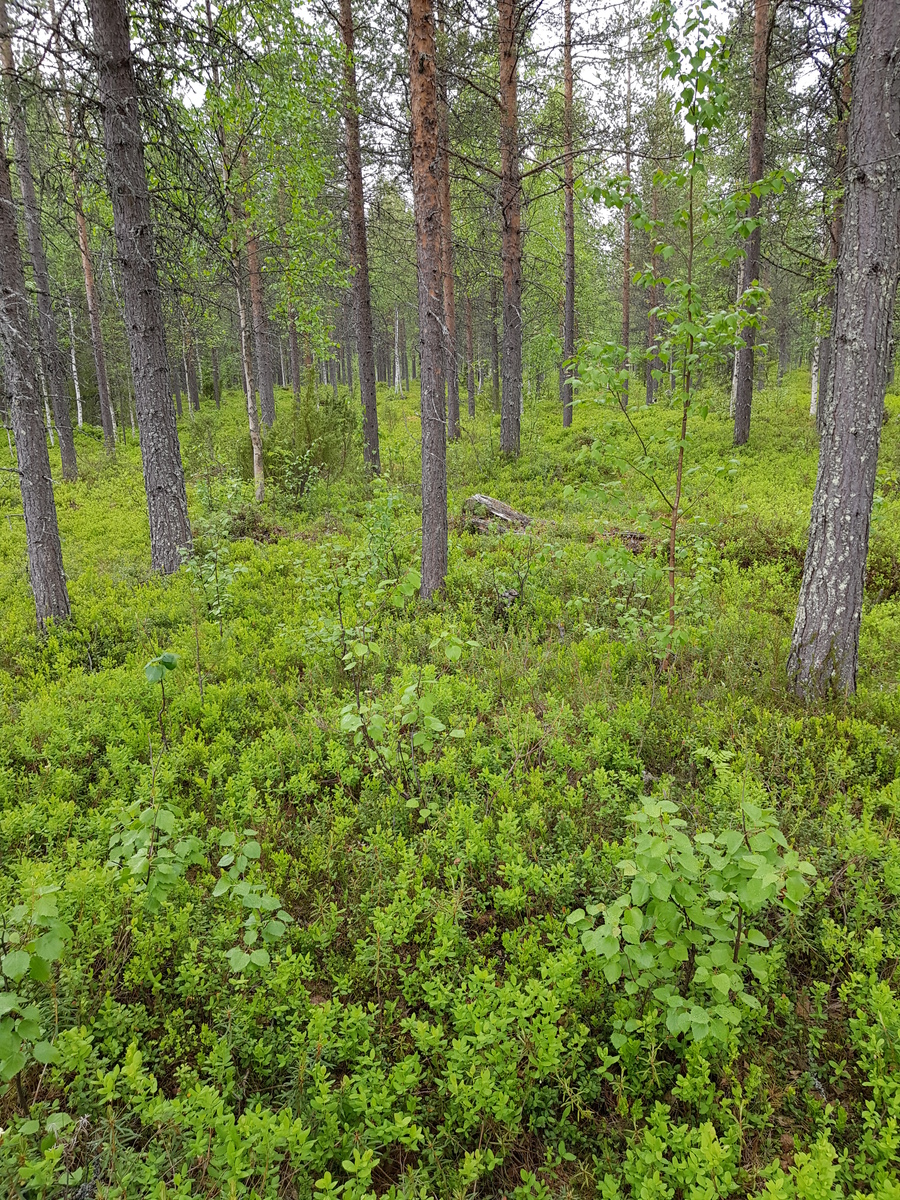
x=313, y=905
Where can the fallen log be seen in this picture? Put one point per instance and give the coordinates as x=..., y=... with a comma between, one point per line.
x=480, y=507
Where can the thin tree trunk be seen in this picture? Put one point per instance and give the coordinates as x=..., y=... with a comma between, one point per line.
x=814, y=383
x=214, y=370
x=45, y=565
x=509, y=13
x=825, y=644
x=107, y=419
x=655, y=364
x=294, y=347
x=495, y=350
x=470, y=357
x=568, y=221
x=51, y=353
x=190, y=372
x=259, y=476
x=398, y=370
x=427, y=203
x=170, y=530
x=404, y=357
x=359, y=253
x=743, y=397
x=79, y=412
x=258, y=315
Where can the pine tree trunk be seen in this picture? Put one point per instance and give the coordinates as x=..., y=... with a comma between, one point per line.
x=470, y=357
x=509, y=14
x=743, y=396
x=170, y=530
x=427, y=202
x=359, y=254
x=45, y=566
x=54, y=367
x=626, y=233
x=403, y=353
x=825, y=645
x=450, y=368
x=568, y=221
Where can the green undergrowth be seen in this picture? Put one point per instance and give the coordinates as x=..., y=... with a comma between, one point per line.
x=312, y=890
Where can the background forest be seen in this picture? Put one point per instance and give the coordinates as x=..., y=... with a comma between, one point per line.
x=450, y=575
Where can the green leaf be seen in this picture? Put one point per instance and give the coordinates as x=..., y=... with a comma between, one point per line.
x=238, y=958
x=260, y=957
x=15, y=964
x=46, y=1052
x=12, y=1065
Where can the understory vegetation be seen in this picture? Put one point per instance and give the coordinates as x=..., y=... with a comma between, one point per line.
x=310, y=889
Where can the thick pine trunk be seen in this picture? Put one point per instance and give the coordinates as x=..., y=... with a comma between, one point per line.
x=450, y=368
x=359, y=253
x=568, y=221
x=170, y=530
x=426, y=171
x=743, y=367
x=825, y=645
x=45, y=566
x=51, y=353
x=509, y=15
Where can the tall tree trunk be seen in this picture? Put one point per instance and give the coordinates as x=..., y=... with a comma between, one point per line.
x=763, y=12
x=359, y=254
x=470, y=357
x=107, y=418
x=45, y=566
x=825, y=645
x=655, y=363
x=426, y=168
x=214, y=371
x=626, y=230
x=509, y=15
x=450, y=367
x=568, y=220
x=258, y=315
x=170, y=530
x=51, y=353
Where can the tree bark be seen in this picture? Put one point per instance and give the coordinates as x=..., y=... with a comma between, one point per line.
x=48, y=335
x=45, y=566
x=294, y=346
x=190, y=371
x=743, y=396
x=359, y=253
x=170, y=530
x=426, y=171
x=626, y=232
x=509, y=15
x=258, y=315
x=450, y=367
x=825, y=645
x=568, y=220
x=470, y=357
